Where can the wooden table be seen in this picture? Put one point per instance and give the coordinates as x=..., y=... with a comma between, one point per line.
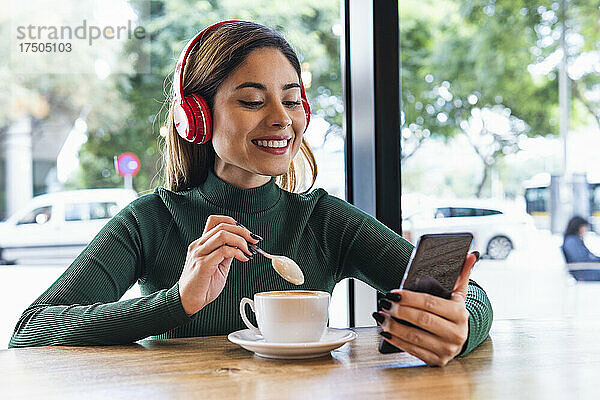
x=522, y=359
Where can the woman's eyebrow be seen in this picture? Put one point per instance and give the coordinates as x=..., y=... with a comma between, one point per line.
x=252, y=85
x=260, y=86
x=290, y=86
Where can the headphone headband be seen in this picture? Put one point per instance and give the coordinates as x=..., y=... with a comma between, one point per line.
x=191, y=114
x=178, y=78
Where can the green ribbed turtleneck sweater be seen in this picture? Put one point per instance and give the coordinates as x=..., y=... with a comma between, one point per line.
x=147, y=243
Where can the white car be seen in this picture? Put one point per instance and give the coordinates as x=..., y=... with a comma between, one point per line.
x=59, y=225
x=496, y=230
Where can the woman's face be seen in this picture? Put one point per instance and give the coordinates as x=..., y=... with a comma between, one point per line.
x=583, y=229
x=258, y=120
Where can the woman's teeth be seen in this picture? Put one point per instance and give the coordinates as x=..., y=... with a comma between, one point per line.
x=271, y=143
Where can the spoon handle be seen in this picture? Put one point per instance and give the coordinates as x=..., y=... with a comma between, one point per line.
x=261, y=251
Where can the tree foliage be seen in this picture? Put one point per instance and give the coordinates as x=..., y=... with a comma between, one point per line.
x=469, y=59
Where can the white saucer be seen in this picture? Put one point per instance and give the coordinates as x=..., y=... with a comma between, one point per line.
x=332, y=339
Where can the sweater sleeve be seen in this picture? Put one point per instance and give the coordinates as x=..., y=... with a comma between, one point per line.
x=82, y=307
x=362, y=247
x=480, y=317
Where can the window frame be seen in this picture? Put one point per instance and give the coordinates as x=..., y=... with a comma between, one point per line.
x=372, y=125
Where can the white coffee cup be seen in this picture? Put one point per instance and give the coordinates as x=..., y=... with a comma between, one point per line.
x=290, y=316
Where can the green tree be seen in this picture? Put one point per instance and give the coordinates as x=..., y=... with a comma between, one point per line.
x=469, y=59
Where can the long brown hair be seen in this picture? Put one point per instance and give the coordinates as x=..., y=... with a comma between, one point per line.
x=214, y=58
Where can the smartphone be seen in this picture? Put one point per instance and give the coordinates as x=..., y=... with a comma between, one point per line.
x=434, y=267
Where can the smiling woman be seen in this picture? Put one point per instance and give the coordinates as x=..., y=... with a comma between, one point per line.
x=250, y=80
x=236, y=122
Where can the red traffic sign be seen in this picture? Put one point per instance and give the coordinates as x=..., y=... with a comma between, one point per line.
x=127, y=164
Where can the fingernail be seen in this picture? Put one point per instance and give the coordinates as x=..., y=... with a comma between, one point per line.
x=255, y=236
x=386, y=305
x=378, y=317
x=385, y=334
x=476, y=255
x=252, y=250
x=393, y=296
x=238, y=224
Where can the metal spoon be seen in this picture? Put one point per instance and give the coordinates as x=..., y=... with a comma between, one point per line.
x=286, y=267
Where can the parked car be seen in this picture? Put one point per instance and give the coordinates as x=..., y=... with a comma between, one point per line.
x=497, y=230
x=61, y=224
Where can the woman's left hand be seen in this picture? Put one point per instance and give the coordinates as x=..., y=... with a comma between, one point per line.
x=445, y=322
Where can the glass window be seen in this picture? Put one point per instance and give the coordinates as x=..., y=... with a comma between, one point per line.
x=462, y=212
x=76, y=212
x=103, y=210
x=447, y=212
x=536, y=199
x=480, y=212
x=595, y=198
x=480, y=121
x=314, y=30
x=443, y=212
x=38, y=216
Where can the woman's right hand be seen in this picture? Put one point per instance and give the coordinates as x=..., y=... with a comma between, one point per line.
x=208, y=260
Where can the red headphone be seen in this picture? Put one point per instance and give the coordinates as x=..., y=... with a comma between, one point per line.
x=191, y=114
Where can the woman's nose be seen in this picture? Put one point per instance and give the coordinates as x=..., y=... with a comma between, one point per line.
x=279, y=117
x=283, y=125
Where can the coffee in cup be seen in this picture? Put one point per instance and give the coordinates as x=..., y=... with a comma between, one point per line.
x=291, y=316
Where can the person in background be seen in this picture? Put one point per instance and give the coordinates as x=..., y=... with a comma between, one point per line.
x=574, y=249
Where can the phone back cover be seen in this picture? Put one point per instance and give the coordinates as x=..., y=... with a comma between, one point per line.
x=439, y=258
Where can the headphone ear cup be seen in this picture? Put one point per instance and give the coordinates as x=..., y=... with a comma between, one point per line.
x=182, y=120
x=306, y=107
x=201, y=117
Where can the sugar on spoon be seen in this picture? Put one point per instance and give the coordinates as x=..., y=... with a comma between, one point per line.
x=286, y=267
